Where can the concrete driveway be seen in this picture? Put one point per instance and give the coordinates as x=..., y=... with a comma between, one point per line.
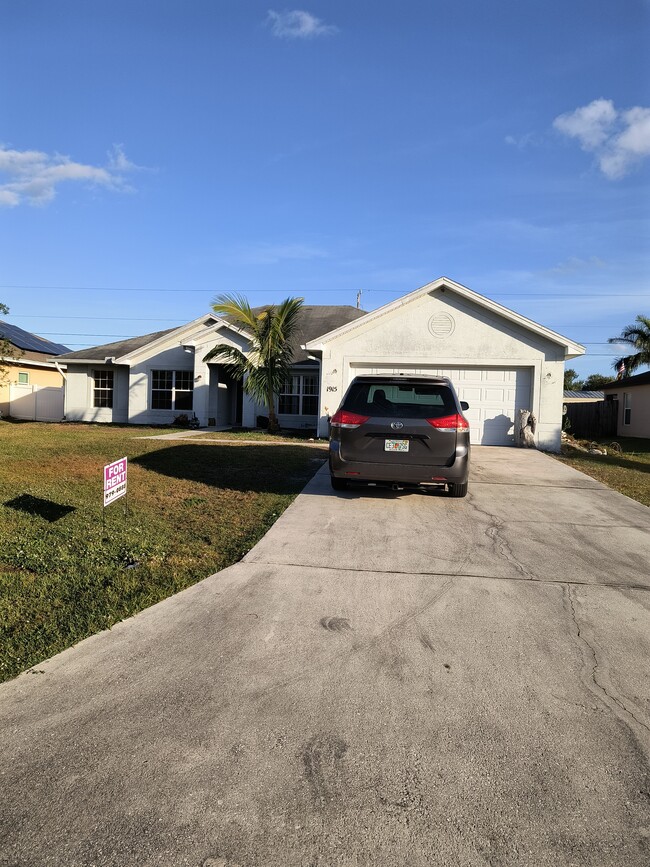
x=386, y=679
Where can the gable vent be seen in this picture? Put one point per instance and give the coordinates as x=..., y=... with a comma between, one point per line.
x=442, y=325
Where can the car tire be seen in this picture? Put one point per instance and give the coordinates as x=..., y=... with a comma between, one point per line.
x=338, y=484
x=458, y=490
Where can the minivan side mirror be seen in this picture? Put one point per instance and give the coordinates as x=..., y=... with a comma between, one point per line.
x=464, y=405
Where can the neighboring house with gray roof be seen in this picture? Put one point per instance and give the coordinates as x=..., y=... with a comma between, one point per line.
x=29, y=371
x=499, y=361
x=583, y=396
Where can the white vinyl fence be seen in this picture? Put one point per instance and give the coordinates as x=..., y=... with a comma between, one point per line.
x=35, y=403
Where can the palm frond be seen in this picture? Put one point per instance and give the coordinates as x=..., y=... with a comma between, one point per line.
x=637, y=336
x=226, y=354
x=237, y=308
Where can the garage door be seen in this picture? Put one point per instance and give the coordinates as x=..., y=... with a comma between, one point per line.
x=494, y=396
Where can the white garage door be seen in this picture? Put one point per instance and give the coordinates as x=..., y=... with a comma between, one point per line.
x=494, y=395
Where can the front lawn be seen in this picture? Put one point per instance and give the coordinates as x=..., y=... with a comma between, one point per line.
x=628, y=472
x=193, y=508
x=259, y=435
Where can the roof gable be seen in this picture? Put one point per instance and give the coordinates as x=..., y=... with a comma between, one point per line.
x=313, y=321
x=443, y=284
x=125, y=351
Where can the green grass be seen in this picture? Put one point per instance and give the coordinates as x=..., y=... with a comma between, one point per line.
x=258, y=435
x=628, y=472
x=194, y=508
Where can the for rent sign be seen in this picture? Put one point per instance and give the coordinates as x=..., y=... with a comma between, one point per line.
x=115, y=481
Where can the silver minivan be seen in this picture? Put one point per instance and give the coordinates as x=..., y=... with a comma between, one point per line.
x=400, y=430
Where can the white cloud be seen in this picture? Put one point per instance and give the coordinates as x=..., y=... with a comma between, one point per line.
x=522, y=141
x=618, y=139
x=33, y=176
x=575, y=264
x=591, y=124
x=297, y=24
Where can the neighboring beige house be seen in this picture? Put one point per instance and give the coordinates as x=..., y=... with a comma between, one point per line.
x=499, y=361
x=633, y=396
x=31, y=386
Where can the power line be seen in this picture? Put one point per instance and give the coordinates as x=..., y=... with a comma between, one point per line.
x=129, y=336
x=249, y=291
x=148, y=319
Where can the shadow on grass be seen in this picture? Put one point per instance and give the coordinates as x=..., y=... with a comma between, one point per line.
x=611, y=461
x=263, y=469
x=47, y=509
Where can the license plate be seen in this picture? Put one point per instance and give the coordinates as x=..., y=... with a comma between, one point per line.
x=396, y=446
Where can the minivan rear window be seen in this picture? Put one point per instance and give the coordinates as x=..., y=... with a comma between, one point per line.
x=396, y=400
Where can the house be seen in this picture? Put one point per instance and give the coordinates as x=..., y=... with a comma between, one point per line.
x=633, y=396
x=499, y=361
x=31, y=384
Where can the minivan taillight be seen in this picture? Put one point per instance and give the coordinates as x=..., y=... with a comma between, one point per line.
x=346, y=419
x=451, y=423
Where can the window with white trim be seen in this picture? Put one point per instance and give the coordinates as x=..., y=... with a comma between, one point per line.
x=300, y=395
x=23, y=379
x=627, y=408
x=172, y=389
x=103, y=388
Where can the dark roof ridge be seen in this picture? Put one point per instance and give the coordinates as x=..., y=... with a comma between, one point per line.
x=637, y=379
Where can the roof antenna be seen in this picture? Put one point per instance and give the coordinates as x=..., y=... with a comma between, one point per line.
x=359, y=299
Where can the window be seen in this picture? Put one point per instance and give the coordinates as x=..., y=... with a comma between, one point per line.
x=300, y=395
x=396, y=400
x=103, y=388
x=627, y=408
x=172, y=389
x=23, y=379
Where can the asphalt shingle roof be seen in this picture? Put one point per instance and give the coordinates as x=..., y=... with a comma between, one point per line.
x=629, y=381
x=117, y=349
x=30, y=342
x=314, y=321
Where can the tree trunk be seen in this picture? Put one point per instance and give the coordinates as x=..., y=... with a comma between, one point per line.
x=525, y=429
x=274, y=425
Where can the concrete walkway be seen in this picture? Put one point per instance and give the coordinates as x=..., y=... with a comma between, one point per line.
x=387, y=678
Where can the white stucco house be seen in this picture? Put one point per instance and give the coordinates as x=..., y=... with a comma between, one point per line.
x=499, y=361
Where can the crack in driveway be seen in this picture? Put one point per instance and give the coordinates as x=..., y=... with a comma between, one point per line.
x=611, y=701
x=500, y=544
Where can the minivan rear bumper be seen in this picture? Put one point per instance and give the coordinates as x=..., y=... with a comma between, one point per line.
x=360, y=471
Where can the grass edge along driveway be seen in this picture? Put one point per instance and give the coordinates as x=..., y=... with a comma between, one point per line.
x=628, y=472
x=194, y=508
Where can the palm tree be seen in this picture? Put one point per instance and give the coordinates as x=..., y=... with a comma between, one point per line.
x=637, y=336
x=266, y=367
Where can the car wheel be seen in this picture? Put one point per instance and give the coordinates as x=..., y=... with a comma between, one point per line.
x=459, y=490
x=338, y=484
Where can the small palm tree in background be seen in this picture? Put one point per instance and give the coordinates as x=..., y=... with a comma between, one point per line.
x=266, y=368
x=638, y=336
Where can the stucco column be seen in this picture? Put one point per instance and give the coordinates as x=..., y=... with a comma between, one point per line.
x=201, y=390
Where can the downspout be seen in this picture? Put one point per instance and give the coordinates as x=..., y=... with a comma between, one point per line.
x=58, y=367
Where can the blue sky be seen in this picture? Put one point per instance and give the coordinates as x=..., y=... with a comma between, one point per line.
x=156, y=154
